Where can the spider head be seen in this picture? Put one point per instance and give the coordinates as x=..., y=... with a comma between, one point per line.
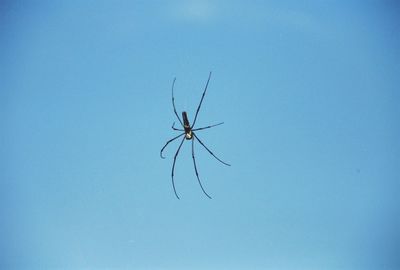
x=189, y=135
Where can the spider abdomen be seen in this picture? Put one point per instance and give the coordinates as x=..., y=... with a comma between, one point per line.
x=186, y=126
x=185, y=120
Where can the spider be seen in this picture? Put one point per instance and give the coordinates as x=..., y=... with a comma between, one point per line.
x=188, y=133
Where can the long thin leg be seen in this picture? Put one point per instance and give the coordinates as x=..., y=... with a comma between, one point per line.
x=210, y=150
x=174, y=128
x=201, y=100
x=173, y=102
x=196, y=129
x=173, y=167
x=162, y=149
x=195, y=168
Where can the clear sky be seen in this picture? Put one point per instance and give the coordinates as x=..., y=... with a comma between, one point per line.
x=308, y=91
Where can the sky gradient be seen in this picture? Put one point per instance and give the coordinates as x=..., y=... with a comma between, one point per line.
x=309, y=94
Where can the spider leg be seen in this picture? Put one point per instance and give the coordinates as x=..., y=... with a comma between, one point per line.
x=207, y=127
x=201, y=100
x=162, y=149
x=173, y=102
x=173, y=167
x=210, y=150
x=195, y=168
x=174, y=128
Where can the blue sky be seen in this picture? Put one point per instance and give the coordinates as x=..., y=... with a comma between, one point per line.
x=309, y=95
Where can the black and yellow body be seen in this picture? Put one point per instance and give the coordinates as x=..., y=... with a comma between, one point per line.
x=186, y=126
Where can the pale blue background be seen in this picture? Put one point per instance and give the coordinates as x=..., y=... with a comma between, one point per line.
x=309, y=92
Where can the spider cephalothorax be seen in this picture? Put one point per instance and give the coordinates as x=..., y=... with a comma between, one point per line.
x=189, y=134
